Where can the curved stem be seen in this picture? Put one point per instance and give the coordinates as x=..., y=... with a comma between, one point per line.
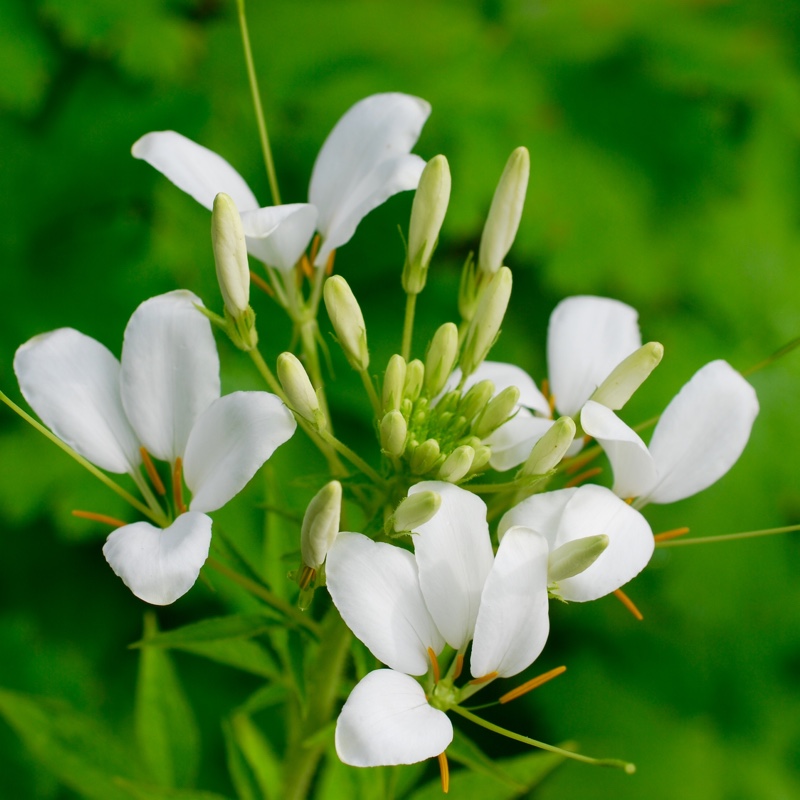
x=728, y=537
x=371, y=393
x=353, y=458
x=408, y=326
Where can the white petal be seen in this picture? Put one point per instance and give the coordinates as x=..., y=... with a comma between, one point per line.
x=375, y=586
x=72, y=382
x=229, y=442
x=387, y=720
x=702, y=432
x=454, y=556
x=195, y=169
x=512, y=442
x=279, y=235
x=587, y=337
x=513, y=622
x=633, y=466
x=540, y=512
x=170, y=371
x=594, y=510
x=159, y=566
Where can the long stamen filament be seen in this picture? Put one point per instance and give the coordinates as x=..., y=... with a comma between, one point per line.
x=152, y=473
x=584, y=476
x=532, y=684
x=459, y=666
x=673, y=534
x=261, y=283
x=729, y=537
x=434, y=665
x=177, y=486
x=444, y=768
x=628, y=603
x=103, y=518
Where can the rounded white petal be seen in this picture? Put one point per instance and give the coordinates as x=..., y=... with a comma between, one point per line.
x=72, y=382
x=540, y=512
x=387, y=720
x=229, y=442
x=512, y=442
x=513, y=622
x=159, y=566
x=170, y=371
x=279, y=235
x=587, y=337
x=195, y=169
x=594, y=510
x=376, y=588
x=454, y=556
x=633, y=466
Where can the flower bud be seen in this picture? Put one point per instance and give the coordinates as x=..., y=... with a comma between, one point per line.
x=476, y=399
x=574, y=557
x=415, y=375
x=299, y=390
x=393, y=382
x=505, y=212
x=347, y=320
x=486, y=323
x=427, y=215
x=321, y=524
x=230, y=255
x=457, y=464
x=628, y=376
x=415, y=510
x=483, y=454
x=441, y=358
x=393, y=434
x=550, y=449
x=424, y=457
x=498, y=411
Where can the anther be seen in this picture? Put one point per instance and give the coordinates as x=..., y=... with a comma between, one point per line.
x=532, y=684
x=314, y=248
x=445, y=770
x=584, y=476
x=305, y=267
x=329, y=265
x=485, y=679
x=628, y=603
x=177, y=486
x=306, y=576
x=106, y=520
x=152, y=473
x=261, y=283
x=673, y=534
x=434, y=664
x=459, y=666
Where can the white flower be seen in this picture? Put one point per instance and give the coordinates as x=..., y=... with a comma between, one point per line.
x=163, y=395
x=364, y=161
x=451, y=590
x=699, y=437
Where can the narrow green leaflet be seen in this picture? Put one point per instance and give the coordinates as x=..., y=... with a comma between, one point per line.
x=264, y=765
x=166, y=728
x=137, y=791
x=239, y=770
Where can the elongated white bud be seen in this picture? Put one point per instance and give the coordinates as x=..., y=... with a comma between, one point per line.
x=550, y=449
x=425, y=457
x=476, y=399
x=347, y=320
x=415, y=375
x=574, y=557
x=498, y=411
x=299, y=389
x=321, y=524
x=505, y=212
x=230, y=255
x=393, y=433
x=393, y=382
x=416, y=510
x=457, y=464
x=441, y=358
x=628, y=376
x=486, y=323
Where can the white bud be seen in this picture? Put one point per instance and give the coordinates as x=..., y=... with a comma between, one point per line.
x=393, y=433
x=415, y=510
x=476, y=399
x=574, y=557
x=424, y=457
x=321, y=524
x=628, y=376
x=457, y=464
x=441, y=358
x=393, y=382
x=348, y=321
x=505, y=212
x=230, y=255
x=299, y=389
x=497, y=411
x=550, y=449
x=486, y=323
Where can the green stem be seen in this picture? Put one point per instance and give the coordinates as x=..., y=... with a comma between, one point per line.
x=353, y=458
x=308, y=342
x=597, y=762
x=728, y=537
x=491, y=488
x=408, y=325
x=371, y=393
x=262, y=125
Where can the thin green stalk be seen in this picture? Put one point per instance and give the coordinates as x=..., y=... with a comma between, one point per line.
x=262, y=125
x=408, y=326
x=308, y=343
x=727, y=537
x=491, y=488
x=354, y=459
x=371, y=393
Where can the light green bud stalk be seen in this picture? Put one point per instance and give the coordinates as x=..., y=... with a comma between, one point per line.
x=476, y=399
x=440, y=358
x=348, y=321
x=550, y=449
x=415, y=510
x=393, y=434
x=424, y=457
x=505, y=212
x=233, y=271
x=628, y=376
x=321, y=524
x=427, y=215
x=485, y=326
x=457, y=464
x=415, y=375
x=497, y=411
x=574, y=557
x=393, y=382
x=299, y=389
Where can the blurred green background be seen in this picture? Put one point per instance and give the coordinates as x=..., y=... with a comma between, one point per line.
x=665, y=171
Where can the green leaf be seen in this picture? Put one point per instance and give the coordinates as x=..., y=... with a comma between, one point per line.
x=241, y=775
x=259, y=755
x=295, y=649
x=236, y=626
x=266, y=696
x=247, y=656
x=140, y=791
x=166, y=728
x=466, y=752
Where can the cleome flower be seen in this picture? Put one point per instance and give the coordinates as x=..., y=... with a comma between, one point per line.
x=365, y=160
x=162, y=398
x=407, y=608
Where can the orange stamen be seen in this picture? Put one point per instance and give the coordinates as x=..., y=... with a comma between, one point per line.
x=629, y=500
x=673, y=534
x=532, y=684
x=584, y=476
x=151, y=471
x=261, y=283
x=485, y=679
x=329, y=265
x=434, y=664
x=177, y=486
x=314, y=248
x=305, y=266
x=579, y=462
x=628, y=603
x=445, y=770
x=117, y=523
x=459, y=666
x=306, y=576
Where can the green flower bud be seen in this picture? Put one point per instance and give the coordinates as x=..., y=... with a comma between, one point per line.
x=476, y=399
x=299, y=390
x=393, y=382
x=321, y=524
x=505, y=212
x=574, y=557
x=498, y=411
x=628, y=376
x=427, y=215
x=347, y=320
x=440, y=358
x=424, y=457
x=415, y=375
x=393, y=434
x=457, y=464
x=482, y=455
x=486, y=323
x=415, y=510
x=550, y=449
